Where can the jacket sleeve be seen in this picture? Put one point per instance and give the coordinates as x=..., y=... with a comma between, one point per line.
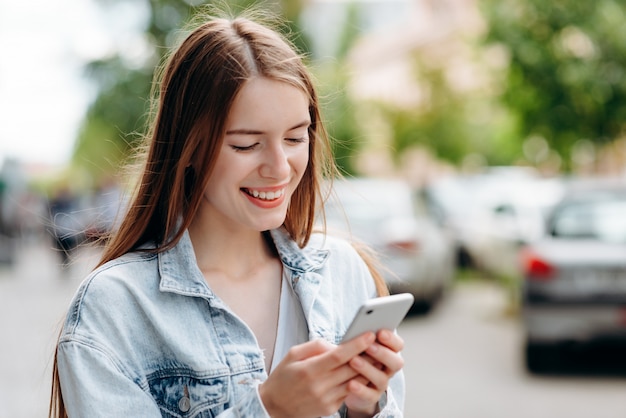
x=392, y=402
x=390, y=405
x=93, y=386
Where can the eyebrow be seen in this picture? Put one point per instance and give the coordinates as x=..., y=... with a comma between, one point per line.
x=302, y=124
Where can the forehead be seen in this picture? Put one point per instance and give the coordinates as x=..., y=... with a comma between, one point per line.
x=266, y=102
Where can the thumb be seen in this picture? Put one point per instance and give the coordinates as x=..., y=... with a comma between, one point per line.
x=309, y=349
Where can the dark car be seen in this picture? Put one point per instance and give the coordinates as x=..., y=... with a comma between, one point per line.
x=574, y=291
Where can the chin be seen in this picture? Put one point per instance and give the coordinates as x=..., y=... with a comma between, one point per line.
x=271, y=224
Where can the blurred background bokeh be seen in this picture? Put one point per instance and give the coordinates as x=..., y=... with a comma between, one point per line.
x=491, y=112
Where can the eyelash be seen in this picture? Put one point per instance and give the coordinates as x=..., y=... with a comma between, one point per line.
x=297, y=140
x=241, y=149
x=251, y=147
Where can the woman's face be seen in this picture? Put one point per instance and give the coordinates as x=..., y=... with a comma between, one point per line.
x=263, y=156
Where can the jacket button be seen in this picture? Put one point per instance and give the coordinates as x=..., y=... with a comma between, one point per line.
x=184, y=404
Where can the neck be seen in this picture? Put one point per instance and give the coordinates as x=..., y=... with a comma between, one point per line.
x=234, y=252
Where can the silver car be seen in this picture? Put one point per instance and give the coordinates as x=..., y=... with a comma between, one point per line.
x=574, y=290
x=416, y=254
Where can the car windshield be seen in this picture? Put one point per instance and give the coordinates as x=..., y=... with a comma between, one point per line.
x=601, y=219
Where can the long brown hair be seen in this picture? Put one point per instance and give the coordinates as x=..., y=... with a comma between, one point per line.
x=196, y=88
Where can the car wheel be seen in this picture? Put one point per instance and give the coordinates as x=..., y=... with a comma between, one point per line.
x=425, y=304
x=541, y=357
x=421, y=307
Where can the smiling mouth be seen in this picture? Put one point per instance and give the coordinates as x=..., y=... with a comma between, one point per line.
x=263, y=195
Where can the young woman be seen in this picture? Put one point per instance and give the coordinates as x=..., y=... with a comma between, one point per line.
x=214, y=297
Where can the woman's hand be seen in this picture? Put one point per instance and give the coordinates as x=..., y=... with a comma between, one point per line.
x=380, y=362
x=313, y=379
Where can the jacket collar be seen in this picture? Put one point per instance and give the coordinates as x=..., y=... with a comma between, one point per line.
x=180, y=274
x=179, y=270
x=295, y=258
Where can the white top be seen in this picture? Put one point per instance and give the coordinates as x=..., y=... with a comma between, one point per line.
x=292, y=326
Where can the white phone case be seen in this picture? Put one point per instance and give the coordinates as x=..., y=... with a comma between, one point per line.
x=385, y=312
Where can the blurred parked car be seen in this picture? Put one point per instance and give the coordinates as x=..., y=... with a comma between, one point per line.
x=484, y=210
x=78, y=218
x=416, y=254
x=103, y=211
x=574, y=290
x=508, y=215
x=449, y=200
x=66, y=224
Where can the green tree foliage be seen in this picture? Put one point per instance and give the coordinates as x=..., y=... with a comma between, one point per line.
x=117, y=118
x=567, y=60
x=449, y=121
x=451, y=124
x=339, y=109
x=340, y=118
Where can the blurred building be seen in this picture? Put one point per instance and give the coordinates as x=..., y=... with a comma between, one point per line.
x=401, y=41
x=391, y=32
x=398, y=42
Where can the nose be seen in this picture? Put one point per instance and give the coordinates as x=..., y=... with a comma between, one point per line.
x=275, y=162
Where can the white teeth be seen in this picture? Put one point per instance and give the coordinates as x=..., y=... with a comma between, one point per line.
x=266, y=195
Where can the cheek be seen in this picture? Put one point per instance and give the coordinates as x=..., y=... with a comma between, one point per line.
x=217, y=183
x=301, y=161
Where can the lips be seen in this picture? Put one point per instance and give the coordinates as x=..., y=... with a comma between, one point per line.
x=265, y=195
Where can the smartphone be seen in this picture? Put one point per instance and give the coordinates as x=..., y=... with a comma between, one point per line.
x=385, y=312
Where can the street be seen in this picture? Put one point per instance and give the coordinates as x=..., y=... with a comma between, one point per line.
x=462, y=361
x=34, y=295
x=465, y=361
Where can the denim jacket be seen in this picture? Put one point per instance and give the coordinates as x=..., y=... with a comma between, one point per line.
x=145, y=336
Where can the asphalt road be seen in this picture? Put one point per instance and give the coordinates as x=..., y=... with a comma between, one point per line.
x=34, y=295
x=462, y=360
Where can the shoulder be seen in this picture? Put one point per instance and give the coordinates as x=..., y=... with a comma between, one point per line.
x=338, y=247
x=331, y=242
x=345, y=259
x=320, y=249
x=108, y=293
x=326, y=255
x=343, y=283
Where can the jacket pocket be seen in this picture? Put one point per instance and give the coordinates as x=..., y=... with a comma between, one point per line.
x=185, y=396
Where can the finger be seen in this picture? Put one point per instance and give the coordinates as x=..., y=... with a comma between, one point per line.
x=391, y=340
x=335, y=387
x=371, y=359
x=342, y=353
x=376, y=377
x=358, y=377
x=330, y=365
x=308, y=349
x=362, y=397
x=391, y=360
x=342, y=375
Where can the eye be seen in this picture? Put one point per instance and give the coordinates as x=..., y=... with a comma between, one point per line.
x=239, y=148
x=297, y=140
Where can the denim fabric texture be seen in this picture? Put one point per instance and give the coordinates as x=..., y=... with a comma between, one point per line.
x=145, y=336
